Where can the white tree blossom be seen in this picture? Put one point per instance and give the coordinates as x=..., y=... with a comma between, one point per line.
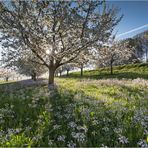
x=56, y=31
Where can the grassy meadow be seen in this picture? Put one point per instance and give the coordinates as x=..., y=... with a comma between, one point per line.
x=96, y=110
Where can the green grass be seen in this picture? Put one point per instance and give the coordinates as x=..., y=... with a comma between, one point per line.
x=131, y=71
x=80, y=112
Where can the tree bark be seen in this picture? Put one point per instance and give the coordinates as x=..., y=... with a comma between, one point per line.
x=7, y=79
x=81, y=71
x=51, y=76
x=67, y=72
x=111, y=67
x=34, y=77
x=60, y=74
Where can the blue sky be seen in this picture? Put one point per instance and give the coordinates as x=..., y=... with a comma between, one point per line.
x=135, y=18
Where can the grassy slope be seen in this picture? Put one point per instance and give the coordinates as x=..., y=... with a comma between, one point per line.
x=81, y=112
x=130, y=71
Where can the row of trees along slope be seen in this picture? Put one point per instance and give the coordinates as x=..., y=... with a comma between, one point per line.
x=128, y=51
x=115, y=53
x=56, y=32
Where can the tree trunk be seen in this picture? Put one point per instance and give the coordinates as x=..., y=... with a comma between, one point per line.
x=81, y=71
x=7, y=79
x=67, y=72
x=111, y=67
x=51, y=78
x=60, y=74
x=34, y=77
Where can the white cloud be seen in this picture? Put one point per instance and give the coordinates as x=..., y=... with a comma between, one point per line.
x=133, y=30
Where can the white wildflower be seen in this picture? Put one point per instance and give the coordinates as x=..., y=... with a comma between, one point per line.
x=123, y=139
x=18, y=130
x=106, y=129
x=142, y=143
x=72, y=124
x=34, y=139
x=10, y=131
x=95, y=122
x=71, y=145
x=94, y=133
x=61, y=138
x=11, y=106
x=103, y=146
x=56, y=126
x=50, y=142
x=80, y=137
x=82, y=128
x=67, y=116
x=48, y=107
x=118, y=130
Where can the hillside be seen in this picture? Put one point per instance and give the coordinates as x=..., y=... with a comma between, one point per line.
x=81, y=112
x=131, y=71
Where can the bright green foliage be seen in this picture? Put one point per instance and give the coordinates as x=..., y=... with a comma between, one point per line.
x=80, y=112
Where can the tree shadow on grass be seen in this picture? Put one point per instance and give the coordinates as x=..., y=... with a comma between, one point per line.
x=73, y=116
x=16, y=85
x=76, y=113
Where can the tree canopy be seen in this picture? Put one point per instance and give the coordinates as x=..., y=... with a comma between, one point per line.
x=56, y=31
